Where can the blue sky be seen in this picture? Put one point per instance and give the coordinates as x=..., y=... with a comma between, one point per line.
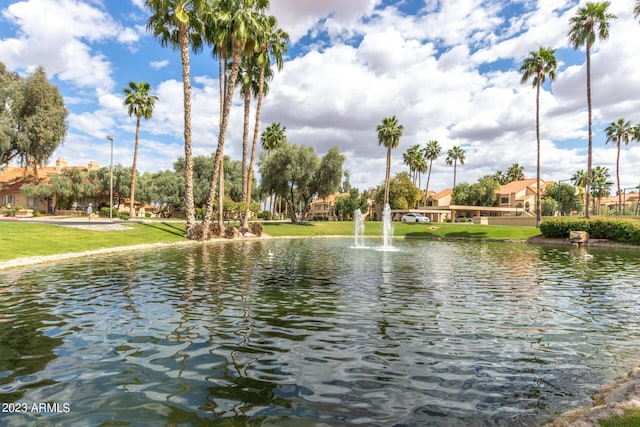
x=447, y=69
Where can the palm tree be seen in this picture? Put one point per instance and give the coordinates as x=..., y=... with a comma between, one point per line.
x=636, y=8
x=140, y=102
x=455, y=155
x=589, y=23
x=431, y=153
x=579, y=180
x=500, y=177
x=601, y=185
x=178, y=24
x=274, y=46
x=389, y=133
x=538, y=67
x=237, y=26
x=515, y=172
x=411, y=158
x=619, y=131
x=273, y=137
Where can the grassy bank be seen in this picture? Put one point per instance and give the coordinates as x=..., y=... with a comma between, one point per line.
x=26, y=239
x=432, y=230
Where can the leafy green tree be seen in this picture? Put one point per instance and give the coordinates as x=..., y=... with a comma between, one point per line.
x=389, y=134
x=40, y=190
x=403, y=194
x=297, y=174
x=549, y=206
x=431, y=153
x=32, y=118
x=565, y=201
x=539, y=66
x=481, y=193
x=139, y=102
x=179, y=24
x=346, y=205
x=618, y=132
x=455, y=155
x=590, y=22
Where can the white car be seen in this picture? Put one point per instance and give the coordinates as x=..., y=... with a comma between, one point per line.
x=414, y=217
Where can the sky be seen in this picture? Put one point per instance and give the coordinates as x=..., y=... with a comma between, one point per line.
x=447, y=69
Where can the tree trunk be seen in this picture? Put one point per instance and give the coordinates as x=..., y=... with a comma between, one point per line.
x=245, y=140
x=228, y=90
x=590, y=146
x=618, y=178
x=256, y=132
x=386, y=180
x=188, y=162
x=538, y=213
x=132, y=192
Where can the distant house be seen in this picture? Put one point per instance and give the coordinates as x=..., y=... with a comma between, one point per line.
x=520, y=194
x=324, y=208
x=13, y=178
x=443, y=198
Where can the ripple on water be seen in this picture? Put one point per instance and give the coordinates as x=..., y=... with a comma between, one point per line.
x=313, y=331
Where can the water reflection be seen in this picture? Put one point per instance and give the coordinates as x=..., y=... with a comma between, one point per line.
x=315, y=332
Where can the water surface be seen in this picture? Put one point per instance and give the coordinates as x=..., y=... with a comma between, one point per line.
x=315, y=332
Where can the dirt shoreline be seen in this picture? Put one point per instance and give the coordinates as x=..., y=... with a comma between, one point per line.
x=611, y=401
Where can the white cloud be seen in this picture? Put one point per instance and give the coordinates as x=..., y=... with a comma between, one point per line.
x=157, y=65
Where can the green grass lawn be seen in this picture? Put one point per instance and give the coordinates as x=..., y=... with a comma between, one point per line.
x=23, y=239
x=431, y=230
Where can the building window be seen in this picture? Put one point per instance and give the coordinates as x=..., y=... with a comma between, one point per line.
x=33, y=201
x=8, y=199
x=504, y=200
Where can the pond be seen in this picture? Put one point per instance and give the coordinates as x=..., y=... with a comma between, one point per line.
x=315, y=332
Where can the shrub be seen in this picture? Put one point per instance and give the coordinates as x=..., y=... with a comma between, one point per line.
x=197, y=232
x=619, y=230
x=214, y=230
x=256, y=228
x=230, y=232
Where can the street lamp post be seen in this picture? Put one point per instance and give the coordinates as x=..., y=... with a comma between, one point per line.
x=110, y=138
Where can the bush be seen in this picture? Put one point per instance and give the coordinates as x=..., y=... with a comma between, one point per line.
x=618, y=230
x=256, y=228
x=214, y=230
x=230, y=232
x=197, y=232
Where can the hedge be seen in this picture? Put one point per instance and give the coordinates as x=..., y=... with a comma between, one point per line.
x=618, y=230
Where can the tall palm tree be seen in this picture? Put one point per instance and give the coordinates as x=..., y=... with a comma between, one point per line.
x=431, y=153
x=589, y=23
x=139, y=102
x=455, y=155
x=179, y=24
x=538, y=67
x=618, y=132
x=389, y=134
x=274, y=46
x=236, y=25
